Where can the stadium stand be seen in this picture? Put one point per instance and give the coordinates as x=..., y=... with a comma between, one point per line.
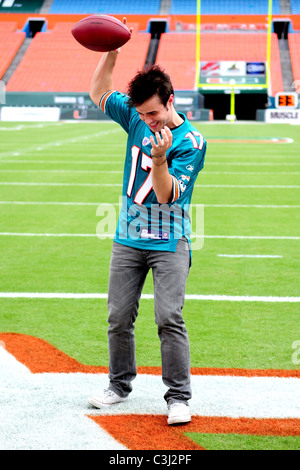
x=10, y=42
x=294, y=44
x=55, y=62
x=295, y=7
x=21, y=6
x=106, y=6
x=226, y=7
x=176, y=53
x=176, y=49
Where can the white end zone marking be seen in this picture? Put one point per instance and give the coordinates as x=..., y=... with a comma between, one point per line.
x=49, y=410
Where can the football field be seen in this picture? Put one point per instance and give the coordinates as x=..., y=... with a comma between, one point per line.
x=58, y=181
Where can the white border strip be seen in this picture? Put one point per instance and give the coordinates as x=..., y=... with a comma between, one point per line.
x=223, y=298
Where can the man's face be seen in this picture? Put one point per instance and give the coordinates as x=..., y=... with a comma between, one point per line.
x=154, y=113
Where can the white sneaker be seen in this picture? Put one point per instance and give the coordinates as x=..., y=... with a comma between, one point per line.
x=108, y=398
x=179, y=413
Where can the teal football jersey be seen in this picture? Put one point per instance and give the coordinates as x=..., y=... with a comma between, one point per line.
x=143, y=222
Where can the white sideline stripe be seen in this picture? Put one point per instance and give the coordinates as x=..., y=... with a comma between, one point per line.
x=251, y=186
x=260, y=206
x=222, y=298
x=250, y=256
x=111, y=235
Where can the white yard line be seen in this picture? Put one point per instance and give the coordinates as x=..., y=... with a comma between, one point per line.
x=58, y=184
x=246, y=186
x=250, y=237
x=48, y=145
x=259, y=206
x=272, y=164
x=249, y=256
x=111, y=235
x=66, y=171
x=242, y=186
x=121, y=172
x=245, y=173
x=49, y=203
x=66, y=162
x=21, y=127
x=86, y=296
x=121, y=161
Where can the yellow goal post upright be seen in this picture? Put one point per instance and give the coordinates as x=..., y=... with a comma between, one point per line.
x=234, y=85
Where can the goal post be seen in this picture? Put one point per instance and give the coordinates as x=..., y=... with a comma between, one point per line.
x=223, y=73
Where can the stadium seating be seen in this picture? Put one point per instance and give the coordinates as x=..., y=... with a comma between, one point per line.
x=224, y=7
x=295, y=7
x=106, y=6
x=21, y=6
x=294, y=44
x=56, y=62
x=177, y=52
x=10, y=42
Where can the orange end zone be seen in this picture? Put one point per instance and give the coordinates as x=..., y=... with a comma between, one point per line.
x=39, y=356
x=151, y=432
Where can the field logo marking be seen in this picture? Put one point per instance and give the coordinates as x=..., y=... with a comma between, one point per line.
x=46, y=370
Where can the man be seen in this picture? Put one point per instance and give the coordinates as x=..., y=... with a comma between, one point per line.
x=163, y=157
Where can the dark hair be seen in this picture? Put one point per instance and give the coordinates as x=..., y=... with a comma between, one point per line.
x=147, y=83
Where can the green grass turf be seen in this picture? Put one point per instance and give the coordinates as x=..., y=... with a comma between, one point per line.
x=88, y=155
x=245, y=442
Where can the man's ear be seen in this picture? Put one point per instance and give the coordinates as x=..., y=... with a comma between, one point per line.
x=171, y=99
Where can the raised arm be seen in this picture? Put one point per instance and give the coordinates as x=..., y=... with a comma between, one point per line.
x=102, y=80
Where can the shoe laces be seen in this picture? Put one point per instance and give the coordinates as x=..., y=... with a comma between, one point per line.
x=176, y=404
x=109, y=393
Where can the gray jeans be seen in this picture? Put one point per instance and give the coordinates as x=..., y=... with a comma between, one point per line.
x=128, y=271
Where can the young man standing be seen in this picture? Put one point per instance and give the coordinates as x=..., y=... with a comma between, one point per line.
x=163, y=158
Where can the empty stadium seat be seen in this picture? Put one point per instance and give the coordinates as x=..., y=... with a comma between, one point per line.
x=177, y=53
x=106, y=6
x=10, y=42
x=55, y=62
x=294, y=44
x=295, y=7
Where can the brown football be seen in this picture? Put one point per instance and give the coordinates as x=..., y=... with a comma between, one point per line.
x=101, y=33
